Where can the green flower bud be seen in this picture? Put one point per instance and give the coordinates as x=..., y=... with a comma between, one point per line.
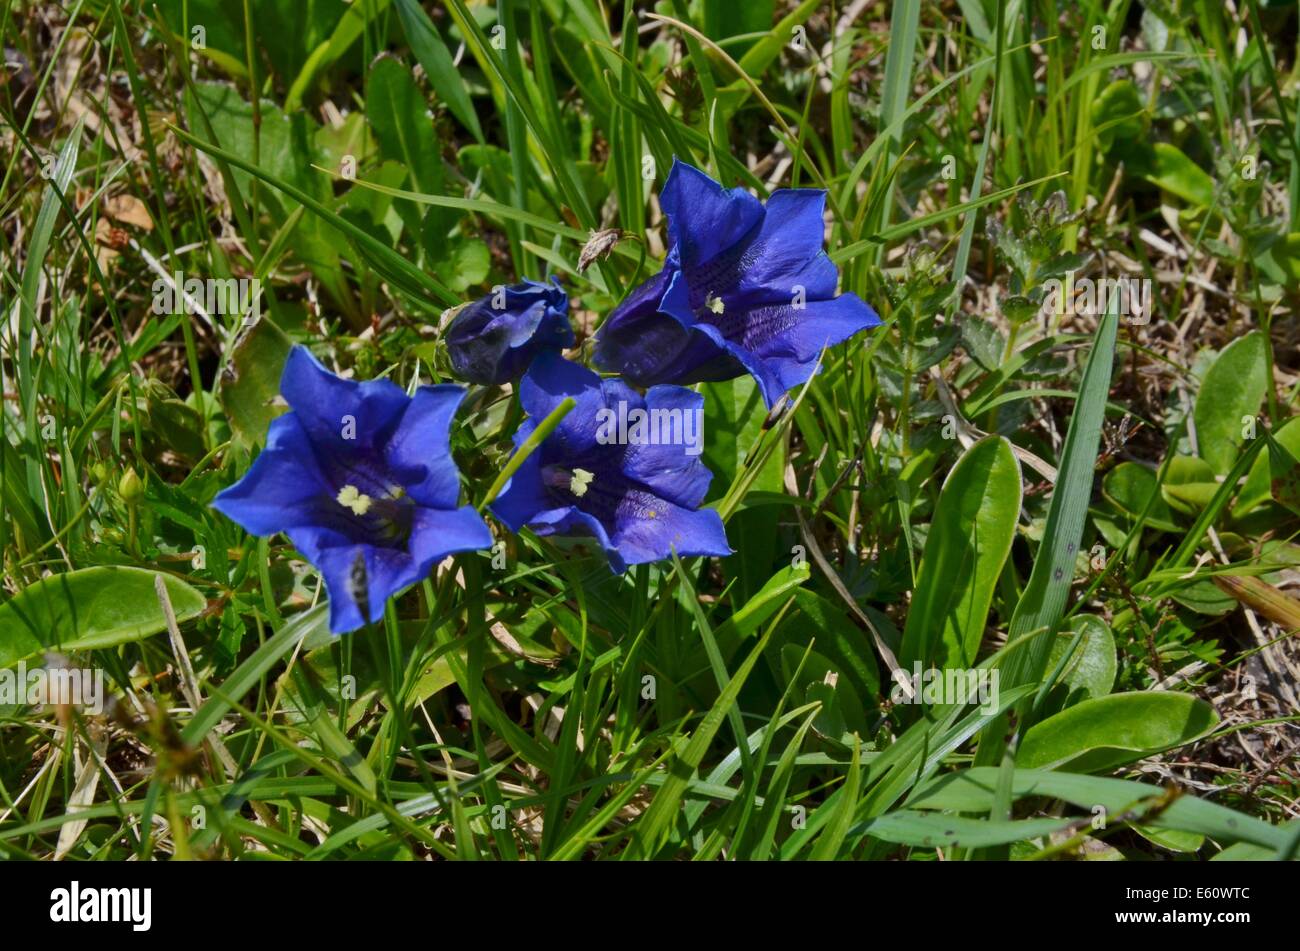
x=130, y=487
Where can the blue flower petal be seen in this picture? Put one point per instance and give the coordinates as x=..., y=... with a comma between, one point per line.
x=787, y=251
x=793, y=340
x=339, y=415
x=648, y=346
x=545, y=386
x=705, y=218
x=650, y=529
x=743, y=289
x=437, y=533
x=284, y=486
x=364, y=554
x=635, y=496
x=360, y=579
x=335, y=566
x=571, y=521
x=490, y=344
x=672, y=467
x=762, y=372
x=420, y=448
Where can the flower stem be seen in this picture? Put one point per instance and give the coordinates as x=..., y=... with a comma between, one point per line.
x=534, y=440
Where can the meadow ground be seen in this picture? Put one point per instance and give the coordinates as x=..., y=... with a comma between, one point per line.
x=1013, y=575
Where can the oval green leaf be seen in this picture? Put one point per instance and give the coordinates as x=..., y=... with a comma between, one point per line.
x=1233, y=388
x=1130, y=486
x=1189, y=484
x=1090, y=672
x=1100, y=734
x=1258, y=486
x=970, y=538
x=88, y=609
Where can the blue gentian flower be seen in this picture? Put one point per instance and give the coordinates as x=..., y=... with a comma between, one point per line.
x=494, y=339
x=635, y=489
x=361, y=479
x=746, y=288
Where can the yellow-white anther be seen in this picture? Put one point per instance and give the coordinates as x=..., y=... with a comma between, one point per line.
x=581, y=479
x=353, y=500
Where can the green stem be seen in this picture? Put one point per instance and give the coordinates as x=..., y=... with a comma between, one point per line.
x=539, y=435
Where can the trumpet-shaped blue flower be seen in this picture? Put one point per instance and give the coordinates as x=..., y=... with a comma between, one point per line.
x=361, y=479
x=635, y=488
x=495, y=338
x=746, y=288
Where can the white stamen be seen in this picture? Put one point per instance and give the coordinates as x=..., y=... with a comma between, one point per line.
x=357, y=502
x=714, y=304
x=581, y=479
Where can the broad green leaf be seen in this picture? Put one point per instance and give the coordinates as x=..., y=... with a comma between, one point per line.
x=251, y=382
x=88, y=609
x=398, y=114
x=971, y=790
x=285, y=34
x=1173, y=171
x=763, y=605
x=1130, y=486
x=1175, y=840
x=346, y=32
x=284, y=144
x=822, y=680
x=1230, y=394
x=1286, y=255
x=761, y=55
x=1042, y=604
x=1258, y=487
x=1246, y=852
x=464, y=263
x=1090, y=672
x=929, y=831
x=1203, y=596
x=1106, y=732
x=1284, y=468
x=175, y=422
x=1189, y=484
x=970, y=538
x=1118, y=113
x=724, y=18
x=734, y=413
x=1217, y=505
